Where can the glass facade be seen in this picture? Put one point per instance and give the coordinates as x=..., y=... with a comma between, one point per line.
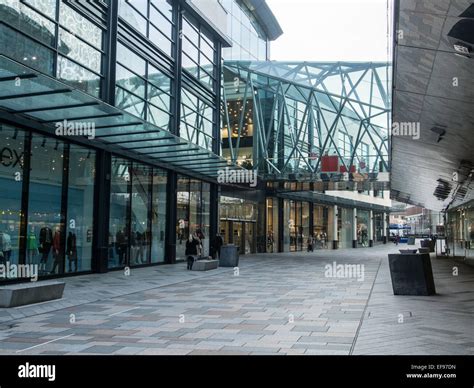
x=237, y=140
x=12, y=152
x=196, y=120
x=142, y=89
x=198, y=104
x=158, y=216
x=469, y=232
x=320, y=226
x=80, y=209
x=345, y=227
x=198, y=53
x=193, y=217
x=363, y=220
x=137, y=214
x=249, y=41
x=152, y=19
x=378, y=228
x=301, y=224
x=63, y=44
x=238, y=220
x=296, y=228
x=49, y=206
x=68, y=41
x=460, y=232
x=54, y=227
x=272, y=225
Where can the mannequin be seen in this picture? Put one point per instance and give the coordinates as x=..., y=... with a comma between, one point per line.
x=31, y=246
x=5, y=245
x=181, y=227
x=71, y=249
x=122, y=245
x=140, y=240
x=46, y=242
x=133, y=247
x=57, y=250
x=111, y=246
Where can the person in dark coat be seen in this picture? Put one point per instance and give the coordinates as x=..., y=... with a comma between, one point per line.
x=217, y=244
x=192, y=250
x=71, y=251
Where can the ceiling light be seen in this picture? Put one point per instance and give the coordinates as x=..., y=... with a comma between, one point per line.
x=461, y=37
x=468, y=13
x=439, y=130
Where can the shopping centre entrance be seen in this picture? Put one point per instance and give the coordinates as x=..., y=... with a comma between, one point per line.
x=239, y=233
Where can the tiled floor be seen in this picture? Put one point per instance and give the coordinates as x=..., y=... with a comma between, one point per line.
x=278, y=304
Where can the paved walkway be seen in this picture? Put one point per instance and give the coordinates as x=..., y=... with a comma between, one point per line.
x=276, y=304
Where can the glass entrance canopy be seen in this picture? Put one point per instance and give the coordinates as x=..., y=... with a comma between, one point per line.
x=58, y=109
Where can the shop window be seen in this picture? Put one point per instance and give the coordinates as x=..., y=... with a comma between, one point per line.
x=45, y=234
x=11, y=181
x=80, y=210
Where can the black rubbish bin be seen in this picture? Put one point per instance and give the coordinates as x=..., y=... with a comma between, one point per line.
x=426, y=243
x=411, y=274
x=229, y=256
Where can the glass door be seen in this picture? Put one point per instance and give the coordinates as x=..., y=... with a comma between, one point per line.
x=250, y=238
x=225, y=231
x=238, y=236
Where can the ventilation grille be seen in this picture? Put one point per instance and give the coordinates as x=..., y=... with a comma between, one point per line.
x=442, y=190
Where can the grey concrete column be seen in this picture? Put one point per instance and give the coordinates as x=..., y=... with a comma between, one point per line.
x=384, y=228
x=354, y=228
x=371, y=228
x=335, y=242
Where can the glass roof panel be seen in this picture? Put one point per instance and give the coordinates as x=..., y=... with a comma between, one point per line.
x=79, y=112
x=53, y=100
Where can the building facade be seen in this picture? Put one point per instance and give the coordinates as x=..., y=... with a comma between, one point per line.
x=112, y=138
x=460, y=232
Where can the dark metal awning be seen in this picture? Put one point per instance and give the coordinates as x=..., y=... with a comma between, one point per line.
x=30, y=98
x=329, y=200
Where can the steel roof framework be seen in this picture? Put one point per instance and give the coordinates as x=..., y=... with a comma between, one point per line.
x=300, y=111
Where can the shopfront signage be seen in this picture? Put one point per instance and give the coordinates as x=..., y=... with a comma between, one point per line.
x=10, y=157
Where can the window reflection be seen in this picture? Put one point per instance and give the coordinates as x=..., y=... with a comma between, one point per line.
x=78, y=76
x=154, y=16
x=79, y=41
x=136, y=78
x=80, y=209
x=196, y=119
x=198, y=53
x=119, y=204
x=249, y=41
x=74, y=48
x=80, y=26
x=11, y=172
x=45, y=235
x=24, y=50
x=158, y=216
x=139, y=226
x=193, y=204
x=28, y=20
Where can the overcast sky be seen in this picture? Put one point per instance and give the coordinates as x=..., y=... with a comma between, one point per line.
x=330, y=30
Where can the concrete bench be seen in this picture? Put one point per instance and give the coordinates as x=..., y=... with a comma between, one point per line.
x=28, y=293
x=205, y=265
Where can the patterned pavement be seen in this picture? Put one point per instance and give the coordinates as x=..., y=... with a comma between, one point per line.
x=275, y=304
